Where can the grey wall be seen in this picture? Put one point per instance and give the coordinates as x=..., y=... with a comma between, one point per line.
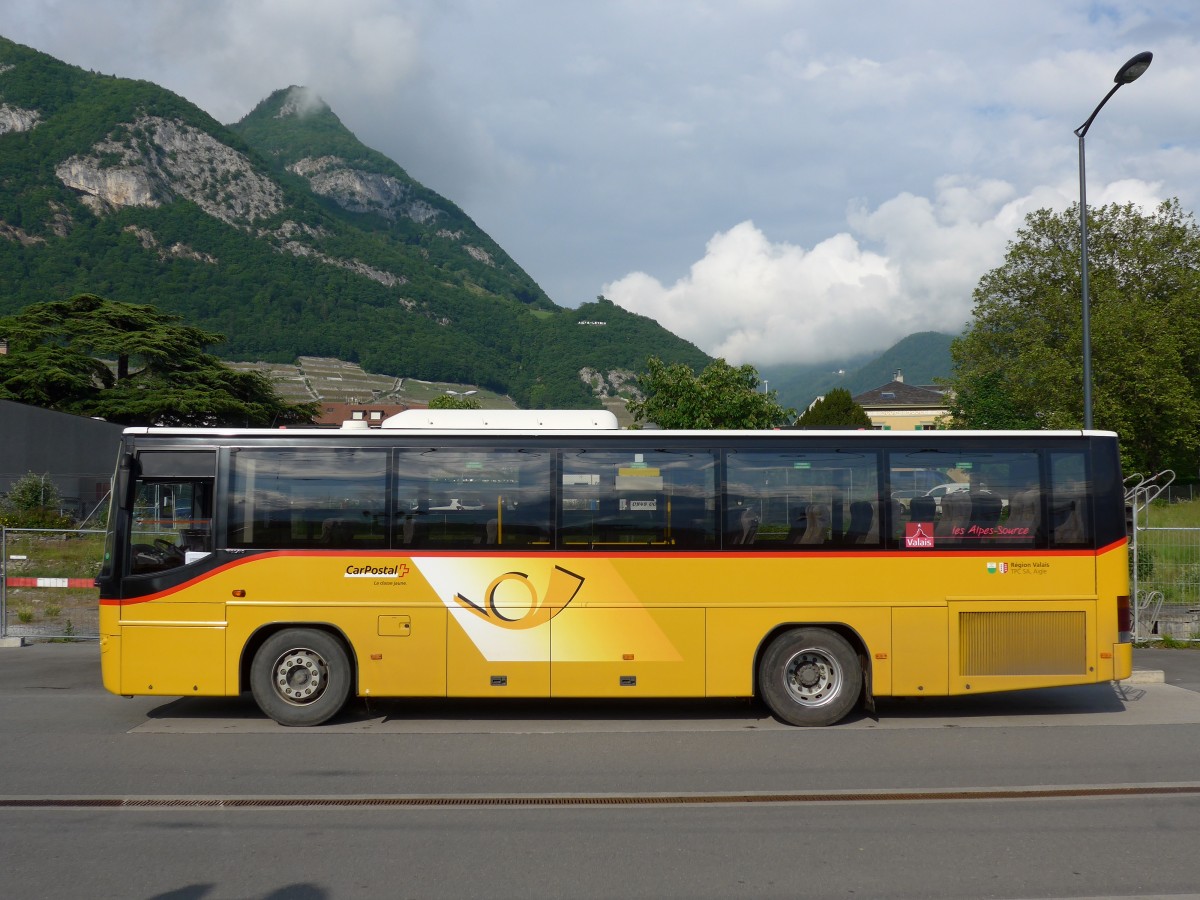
x=78, y=453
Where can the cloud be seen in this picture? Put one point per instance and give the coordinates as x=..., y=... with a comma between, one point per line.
x=224, y=55
x=908, y=265
x=592, y=140
x=304, y=101
x=749, y=298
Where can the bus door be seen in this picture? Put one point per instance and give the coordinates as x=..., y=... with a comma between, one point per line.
x=625, y=626
x=476, y=522
x=171, y=544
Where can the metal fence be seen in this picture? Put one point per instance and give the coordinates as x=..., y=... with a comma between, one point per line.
x=46, y=588
x=1181, y=493
x=1164, y=563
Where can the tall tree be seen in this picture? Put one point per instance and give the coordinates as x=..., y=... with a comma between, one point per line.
x=836, y=409
x=721, y=396
x=160, y=372
x=454, y=401
x=1020, y=362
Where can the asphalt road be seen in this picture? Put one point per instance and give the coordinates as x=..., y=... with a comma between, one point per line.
x=1179, y=667
x=1069, y=792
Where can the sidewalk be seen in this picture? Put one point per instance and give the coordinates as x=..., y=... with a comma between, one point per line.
x=1180, y=668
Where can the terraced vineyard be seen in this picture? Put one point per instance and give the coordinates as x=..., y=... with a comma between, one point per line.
x=335, y=381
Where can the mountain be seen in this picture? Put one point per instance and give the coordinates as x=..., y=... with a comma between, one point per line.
x=300, y=135
x=284, y=233
x=923, y=357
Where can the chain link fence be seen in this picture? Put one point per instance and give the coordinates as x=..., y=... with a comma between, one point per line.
x=1182, y=493
x=46, y=589
x=1164, y=560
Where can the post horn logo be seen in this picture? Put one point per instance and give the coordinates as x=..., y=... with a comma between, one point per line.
x=512, y=601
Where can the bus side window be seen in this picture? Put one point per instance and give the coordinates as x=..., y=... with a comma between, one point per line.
x=522, y=518
x=864, y=523
x=665, y=499
x=1025, y=514
x=690, y=518
x=806, y=498
x=818, y=518
x=297, y=498
x=988, y=498
x=458, y=498
x=1069, y=509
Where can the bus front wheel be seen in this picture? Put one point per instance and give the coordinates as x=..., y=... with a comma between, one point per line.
x=300, y=676
x=810, y=676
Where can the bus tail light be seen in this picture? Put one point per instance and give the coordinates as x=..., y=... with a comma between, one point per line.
x=1124, y=619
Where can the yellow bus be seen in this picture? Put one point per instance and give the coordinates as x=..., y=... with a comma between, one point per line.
x=467, y=553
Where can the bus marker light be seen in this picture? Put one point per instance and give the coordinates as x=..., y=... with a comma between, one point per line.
x=376, y=656
x=1124, y=619
x=239, y=593
x=627, y=656
x=1104, y=654
x=881, y=656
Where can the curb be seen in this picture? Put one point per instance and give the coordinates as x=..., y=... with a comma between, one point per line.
x=11, y=642
x=1145, y=676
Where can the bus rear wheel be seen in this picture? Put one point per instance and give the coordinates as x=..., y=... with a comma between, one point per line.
x=810, y=676
x=300, y=676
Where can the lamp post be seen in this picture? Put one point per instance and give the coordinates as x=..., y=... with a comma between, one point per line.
x=460, y=399
x=1131, y=71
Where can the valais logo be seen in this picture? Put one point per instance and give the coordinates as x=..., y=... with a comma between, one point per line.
x=995, y=568
x=918, y=534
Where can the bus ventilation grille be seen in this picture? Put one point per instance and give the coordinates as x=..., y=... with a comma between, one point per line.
x=1022, y=643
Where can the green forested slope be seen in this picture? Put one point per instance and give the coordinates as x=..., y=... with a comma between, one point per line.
x=414, y=289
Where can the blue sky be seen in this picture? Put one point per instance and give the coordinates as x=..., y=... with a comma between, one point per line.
x=775, y=180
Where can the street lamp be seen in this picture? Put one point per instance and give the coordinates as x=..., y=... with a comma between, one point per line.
x=1131, y=71
x=460, y=401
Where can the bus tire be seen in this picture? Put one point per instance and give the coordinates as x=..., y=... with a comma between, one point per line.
x=300, y=676
x=810, y=676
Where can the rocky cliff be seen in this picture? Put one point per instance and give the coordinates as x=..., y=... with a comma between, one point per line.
x=151, y=161
x=360, y=191
x=13, y=118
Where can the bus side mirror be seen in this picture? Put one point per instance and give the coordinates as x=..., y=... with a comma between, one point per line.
x=124, y=486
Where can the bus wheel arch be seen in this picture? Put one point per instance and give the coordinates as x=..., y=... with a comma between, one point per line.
x=299, y=673
x=813, y=674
